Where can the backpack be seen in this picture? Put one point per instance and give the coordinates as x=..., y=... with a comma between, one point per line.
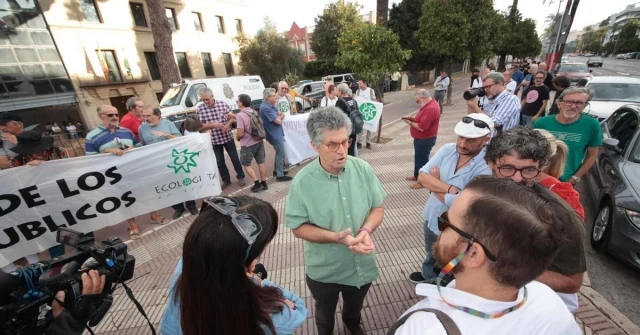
x=356, y=117
x=257, y=127
x=447, y=322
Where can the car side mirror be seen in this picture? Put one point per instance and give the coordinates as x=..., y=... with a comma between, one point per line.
x=611, y=144
x=189, y=102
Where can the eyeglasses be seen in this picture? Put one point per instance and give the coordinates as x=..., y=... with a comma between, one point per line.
x=246, y=224
x=477, y=123
x=147, y=116
x=444, y=223
x=335, y=146
x=488, y=86
x=578, y=104
x=110, y=115
x=527, y=172
x=284, y=88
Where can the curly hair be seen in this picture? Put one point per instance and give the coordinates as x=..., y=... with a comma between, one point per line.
x=523, y=142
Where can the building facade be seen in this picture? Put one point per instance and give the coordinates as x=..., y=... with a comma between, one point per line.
x=108, y=47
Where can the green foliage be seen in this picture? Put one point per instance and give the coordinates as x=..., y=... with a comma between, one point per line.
x=404, y=20
x=518, y=37
x=337, y=18
x=458, y=29
x=627, y=40
x=370, y=51
x=268, y=55
x=321, y=68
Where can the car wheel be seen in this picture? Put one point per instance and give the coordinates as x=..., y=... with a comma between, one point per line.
x=602, y=226
x=299, y=107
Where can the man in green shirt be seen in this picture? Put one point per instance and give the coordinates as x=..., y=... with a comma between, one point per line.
x=581, y=133
x=334, y=204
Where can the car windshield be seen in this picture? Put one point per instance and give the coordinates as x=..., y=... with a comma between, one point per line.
x=173, y=96
x=573, y=68
x=595, y=59
x=615, y=92
x=296, y=88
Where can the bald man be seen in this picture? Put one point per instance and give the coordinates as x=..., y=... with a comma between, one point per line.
x=286, y=102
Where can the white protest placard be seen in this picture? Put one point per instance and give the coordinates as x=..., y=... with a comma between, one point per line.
x=297, y=142
x=371, y=113
x=92, y=192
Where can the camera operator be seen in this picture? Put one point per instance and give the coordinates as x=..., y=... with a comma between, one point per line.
x=63, y=321
x=503, y=107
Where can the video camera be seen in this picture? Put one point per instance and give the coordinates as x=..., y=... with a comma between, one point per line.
x=474, y=92
x=27, y=294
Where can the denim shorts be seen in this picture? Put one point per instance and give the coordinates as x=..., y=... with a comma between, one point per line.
x=249, y=153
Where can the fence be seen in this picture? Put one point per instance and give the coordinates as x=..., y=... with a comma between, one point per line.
x=73, y=144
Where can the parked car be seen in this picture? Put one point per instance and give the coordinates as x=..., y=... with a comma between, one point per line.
x=614, y=185
x=348, y=78
x=313, y=90
x=594, y=61
x=564, y=59
x=575, y=71
x=620, y=56
x=630, y=55
x=588, y=55
x=611, y=93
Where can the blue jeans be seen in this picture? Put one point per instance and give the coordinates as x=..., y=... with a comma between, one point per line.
x=230, y=147
x=278, y=164
x=422, y=150
x=526, y=121
x=427, y=266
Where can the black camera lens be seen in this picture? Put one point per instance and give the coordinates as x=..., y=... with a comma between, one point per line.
x=474, y=92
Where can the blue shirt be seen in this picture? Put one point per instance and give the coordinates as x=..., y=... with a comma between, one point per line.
x=285, y=322
x=446, y=158
x=101, y=138
x=527, y=79
x=145, y=132
x=268, y=114
x=518, y=76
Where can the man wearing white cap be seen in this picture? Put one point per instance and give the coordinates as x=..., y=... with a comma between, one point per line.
x=445, y=176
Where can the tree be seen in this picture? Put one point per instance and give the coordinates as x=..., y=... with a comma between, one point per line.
x=382, y=11
x=404, y=20
x=163, y=44
x=627, y=40
x=337, y=18
x=519, y=38
x=268, y=54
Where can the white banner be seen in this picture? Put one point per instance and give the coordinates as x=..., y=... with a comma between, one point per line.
x=297, y=141
x=371, y=113
x=92, y=192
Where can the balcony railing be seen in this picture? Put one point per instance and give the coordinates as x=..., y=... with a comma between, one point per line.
x=93, y=80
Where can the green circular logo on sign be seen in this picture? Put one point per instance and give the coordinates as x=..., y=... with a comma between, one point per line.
x=283, y=106
x=368, y=111
x=186, y=181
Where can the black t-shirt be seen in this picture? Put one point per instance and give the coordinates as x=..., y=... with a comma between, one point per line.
x=533, y=96
x=554, y=105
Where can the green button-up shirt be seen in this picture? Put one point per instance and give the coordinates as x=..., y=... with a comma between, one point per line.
x=335, y=203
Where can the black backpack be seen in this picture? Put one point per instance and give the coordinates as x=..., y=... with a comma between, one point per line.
x=356, y=117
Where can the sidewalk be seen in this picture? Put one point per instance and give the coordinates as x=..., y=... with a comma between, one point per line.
x=399, y=242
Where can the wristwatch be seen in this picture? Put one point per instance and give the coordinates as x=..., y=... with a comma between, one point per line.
x=576, y=178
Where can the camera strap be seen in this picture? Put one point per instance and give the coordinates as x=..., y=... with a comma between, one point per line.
x=138, y=306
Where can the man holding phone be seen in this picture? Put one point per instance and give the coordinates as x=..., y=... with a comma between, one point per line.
x=424, y=129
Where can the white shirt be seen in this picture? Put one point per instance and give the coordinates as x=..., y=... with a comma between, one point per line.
x=511, y=86
x=326, y=102
x=478, y=83
x=71, y=129
x=367, y=94
x=543, y=313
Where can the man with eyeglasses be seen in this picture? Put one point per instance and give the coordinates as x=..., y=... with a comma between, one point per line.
x=445, y=175
x=534, y=100
x=520, y=154
x=496, y=239
x=335, y=204
x=581, y=133
x=286, y=102
x=503, y=107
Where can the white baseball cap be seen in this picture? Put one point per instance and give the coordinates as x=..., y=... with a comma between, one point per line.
x=474, y=125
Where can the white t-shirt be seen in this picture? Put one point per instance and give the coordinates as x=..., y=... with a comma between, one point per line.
x=543, y=313
x=366, y=94
x=326, y=102
x=72, y=129
x=511, y=86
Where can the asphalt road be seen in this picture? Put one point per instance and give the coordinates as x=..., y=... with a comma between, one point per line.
x=613, y=67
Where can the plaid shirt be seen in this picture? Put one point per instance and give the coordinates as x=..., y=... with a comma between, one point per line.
x=217, y=113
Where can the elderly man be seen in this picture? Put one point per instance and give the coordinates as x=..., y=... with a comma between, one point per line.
x=286, y=102
x=154, y=130
x=217, y=116
x=109, y=137
x=338, y=251
x=497, y=240
x=581, y=133
x=272, y=121
x=440, y=87
x=445, y=175
x=528, y=78
x=503, y=108
x=133, y=119
x=11, y=125
x=509, y=83
x=424, y=129
x=520, y=154
x=534, y=100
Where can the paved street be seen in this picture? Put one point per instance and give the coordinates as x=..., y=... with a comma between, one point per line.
x=613, y=67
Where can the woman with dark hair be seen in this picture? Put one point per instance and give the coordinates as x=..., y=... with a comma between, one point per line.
x=214, y=290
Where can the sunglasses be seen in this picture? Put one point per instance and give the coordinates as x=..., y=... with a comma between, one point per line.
x=477, y=123
x=246, y=224
x=444, y=223
x=111, y=115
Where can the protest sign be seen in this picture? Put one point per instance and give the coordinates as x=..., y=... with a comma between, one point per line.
x=92, y=192
x=371, y=113
x=297, y=141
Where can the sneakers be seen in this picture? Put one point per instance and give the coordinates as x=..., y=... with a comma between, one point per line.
x=256, y=186
x=283, y=178
x=359, y=145
x=264, y=185
x=225, y=184
x=368, y=145
x=417, y=278
x=178, y=214
x=193, y=211
x=285, y=172
x=241, y=182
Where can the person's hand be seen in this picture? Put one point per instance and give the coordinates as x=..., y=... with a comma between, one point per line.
x=231, y=116
x=10, y=138
x=534, y=119
x=472, y=103
x=572, y=181
x=225, y=128
x=364, y=244
x=117, y=152
x=282, y=115
x=92, y=283
x=35, y=162
x=159, y=134
x=435, y=171
x=289, y=303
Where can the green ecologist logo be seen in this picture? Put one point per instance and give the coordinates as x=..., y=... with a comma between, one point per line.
x=368, y=111
x=183, y=160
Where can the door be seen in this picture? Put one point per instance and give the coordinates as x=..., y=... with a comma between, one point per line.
x=120, y=103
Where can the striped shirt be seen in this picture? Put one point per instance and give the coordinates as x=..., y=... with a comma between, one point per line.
x=504, y=110
x=101, y=138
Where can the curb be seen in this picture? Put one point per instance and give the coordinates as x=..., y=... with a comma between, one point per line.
x=605, y=307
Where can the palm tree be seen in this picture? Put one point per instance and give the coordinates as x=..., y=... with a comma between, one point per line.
x=382, y=12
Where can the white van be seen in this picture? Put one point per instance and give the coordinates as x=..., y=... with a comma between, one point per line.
x=182, y=99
